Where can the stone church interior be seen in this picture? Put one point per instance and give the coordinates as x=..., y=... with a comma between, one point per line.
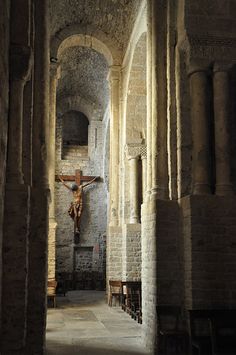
x=134, y=102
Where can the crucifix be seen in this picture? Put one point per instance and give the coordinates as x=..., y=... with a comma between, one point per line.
x=78, y=177
x=75, y=208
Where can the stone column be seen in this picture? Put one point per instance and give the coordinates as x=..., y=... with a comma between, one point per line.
x=134, y=212
x=16, y=214
x=54, y=76
x=144, y=174
x=20, y=64
x=38, y=238
x=159, y=101
x=221, y=118
x=149, y=97
x=198, y=76
x=114, y=144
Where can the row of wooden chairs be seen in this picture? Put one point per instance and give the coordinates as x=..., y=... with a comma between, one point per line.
x=128, y=294
x=210, y=332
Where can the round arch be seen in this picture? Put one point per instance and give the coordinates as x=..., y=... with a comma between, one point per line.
x=136, y=94
x=76, y=35
x=78, y=103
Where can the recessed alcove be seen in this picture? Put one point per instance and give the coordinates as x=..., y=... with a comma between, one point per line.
x=74, y=135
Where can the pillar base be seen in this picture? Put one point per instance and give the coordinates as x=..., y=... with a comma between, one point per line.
x=224, y=190
x=202, y=189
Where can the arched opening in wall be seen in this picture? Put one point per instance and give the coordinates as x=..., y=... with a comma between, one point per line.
x=74, y=135
x=82, y=106
x=84, y=72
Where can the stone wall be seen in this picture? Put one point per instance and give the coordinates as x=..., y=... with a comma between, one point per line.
x=94, y=215
x=215, y=18
x=209, y=251
x=4, y=72
x=162, y=265
x=114, y=254
x=149, y=273
x=131, y=252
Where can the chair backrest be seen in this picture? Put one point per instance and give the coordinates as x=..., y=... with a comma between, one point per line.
x=52, y=285
x=115, y=286
x=168, y=317
x=133, y=287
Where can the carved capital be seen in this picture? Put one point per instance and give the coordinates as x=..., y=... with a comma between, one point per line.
x=198, y=65
x=222, y=66
x=135, y=151
x=114, y=73
x=21, y=59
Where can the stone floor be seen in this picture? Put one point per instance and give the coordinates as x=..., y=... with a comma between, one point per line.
x=83, y=324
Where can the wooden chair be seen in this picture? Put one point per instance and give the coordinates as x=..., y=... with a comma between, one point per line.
x=172, y=339
x=223, y=332
x=115, y=291
x=51, y=292
x=200, y=331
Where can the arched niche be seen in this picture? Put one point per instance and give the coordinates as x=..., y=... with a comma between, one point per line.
x=135, y=126
x=136, y=106
x=74, y=135
x=78, y=103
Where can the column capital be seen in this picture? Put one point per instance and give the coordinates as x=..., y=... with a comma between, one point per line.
x=21, y=60
x=222, y=66
x=55, y=70
x=135, y=151
x=198, y=65
x=114, y=72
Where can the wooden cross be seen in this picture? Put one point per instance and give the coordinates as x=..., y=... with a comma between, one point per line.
x=78, y=177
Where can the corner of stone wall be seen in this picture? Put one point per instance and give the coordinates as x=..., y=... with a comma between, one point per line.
x=209, y=229
x=161, y=262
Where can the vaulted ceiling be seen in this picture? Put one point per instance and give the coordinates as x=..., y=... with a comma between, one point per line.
x=84, y=71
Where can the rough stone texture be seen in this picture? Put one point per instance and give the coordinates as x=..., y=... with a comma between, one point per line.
x=169, y=261
x=162, y=266
x=15, y=249
x=114, y=254
x=131, y=253
x=4, y=44
x=149, y=275
x=78, y=75
x=93, y=220
x=220, y=14
x=209, y=251
x=136, y=100
x=116, y=17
